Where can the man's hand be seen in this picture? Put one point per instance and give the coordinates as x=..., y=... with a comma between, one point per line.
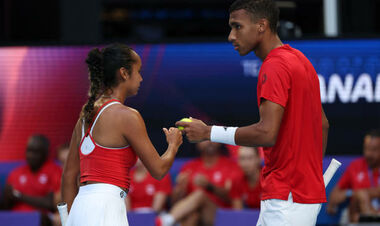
x=8, y=193
x=331, y=208
x=196, y=130
x=201, y=181
x=182, y=180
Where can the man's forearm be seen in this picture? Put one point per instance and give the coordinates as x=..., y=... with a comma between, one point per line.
x=46, y=202
x=374, y=192
x=7, y=200
x=254, y=135
x=220, y=192
x=177, y=194
x=325, y=133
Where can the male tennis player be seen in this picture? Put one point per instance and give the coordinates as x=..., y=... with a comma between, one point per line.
x=292, y=127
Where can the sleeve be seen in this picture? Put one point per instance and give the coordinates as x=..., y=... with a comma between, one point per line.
x=186, y=167
x=274, y=82
x=345, y=180
x=11, y=178
x=165, y=185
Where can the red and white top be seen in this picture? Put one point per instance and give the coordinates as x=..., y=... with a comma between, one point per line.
x=220, y=174
x=294, y=163
x=359, y=176
x=37, y=184
x=250, y=195
x=102, y=164
x=141, y=193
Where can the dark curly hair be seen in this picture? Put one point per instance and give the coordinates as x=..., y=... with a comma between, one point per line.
x=373, y=133
x=102, y=67
x=259, y=9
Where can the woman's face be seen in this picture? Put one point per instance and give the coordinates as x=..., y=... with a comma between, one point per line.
x=134, y=79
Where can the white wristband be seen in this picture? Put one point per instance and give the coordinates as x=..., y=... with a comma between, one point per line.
x=225, y=135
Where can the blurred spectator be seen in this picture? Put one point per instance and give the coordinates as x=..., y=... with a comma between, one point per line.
x=245, y=190
x=35, y=185
x=147, y=193
x=201, y=187
x=360, y=182
x=62, y=153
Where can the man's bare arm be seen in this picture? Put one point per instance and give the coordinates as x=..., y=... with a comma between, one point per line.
x=325, y=131
x=263, y=133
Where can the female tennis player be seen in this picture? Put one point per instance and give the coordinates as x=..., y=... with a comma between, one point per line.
x=107, y=139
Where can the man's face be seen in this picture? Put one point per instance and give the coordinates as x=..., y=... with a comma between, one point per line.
x=244, y=34
x=35, y=154
x=208, y=148
x=371, y=151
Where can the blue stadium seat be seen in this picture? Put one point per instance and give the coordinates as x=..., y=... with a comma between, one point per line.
x=138, y=218
x=9, y=218
x=5, y=169
x=226, y=217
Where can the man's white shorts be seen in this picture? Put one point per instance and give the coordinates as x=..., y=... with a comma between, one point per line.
x=98, y=205
x=276, y=212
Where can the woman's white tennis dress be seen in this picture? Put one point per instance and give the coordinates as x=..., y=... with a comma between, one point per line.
x=98, y=205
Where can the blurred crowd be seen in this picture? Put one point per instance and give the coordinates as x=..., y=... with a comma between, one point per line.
x=221, y=177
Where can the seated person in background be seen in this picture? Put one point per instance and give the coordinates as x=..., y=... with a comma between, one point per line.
x=34, y=186
x=245, y=191
x=62, y=153
x=201, y=187
x=145, y=192
x=360, y=182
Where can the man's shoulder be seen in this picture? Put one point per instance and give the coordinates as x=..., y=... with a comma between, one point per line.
x=276, y=62
x=285, y=56
x=51, y=167
x=19, y=170
x=358, y=163
x=192, y=164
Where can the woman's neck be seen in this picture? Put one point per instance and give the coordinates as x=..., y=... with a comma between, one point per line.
x=116, y=93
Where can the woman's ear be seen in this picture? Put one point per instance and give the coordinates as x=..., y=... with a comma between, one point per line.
x=124, y=73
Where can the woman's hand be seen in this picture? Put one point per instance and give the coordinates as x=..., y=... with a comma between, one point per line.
x=173, y=136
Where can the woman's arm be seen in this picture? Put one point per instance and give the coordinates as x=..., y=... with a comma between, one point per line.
x=69, y=186
x=128, y=205
x=136, y=135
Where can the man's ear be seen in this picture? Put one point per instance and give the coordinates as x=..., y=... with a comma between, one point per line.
x=263, y=25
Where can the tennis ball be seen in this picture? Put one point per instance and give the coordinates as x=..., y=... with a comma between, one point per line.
x=184, y=120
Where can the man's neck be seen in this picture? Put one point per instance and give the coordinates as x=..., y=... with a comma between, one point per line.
x=268, y=43
x=210, y=160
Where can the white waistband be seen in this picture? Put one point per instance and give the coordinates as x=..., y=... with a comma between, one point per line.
x=102, y=188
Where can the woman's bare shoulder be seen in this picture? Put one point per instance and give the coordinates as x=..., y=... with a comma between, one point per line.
x=126, y=114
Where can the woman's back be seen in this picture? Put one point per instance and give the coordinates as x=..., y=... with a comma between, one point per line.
x=108, y=129
x=104, y=164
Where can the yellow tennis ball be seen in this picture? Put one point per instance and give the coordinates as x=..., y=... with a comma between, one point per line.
x=184, y=120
